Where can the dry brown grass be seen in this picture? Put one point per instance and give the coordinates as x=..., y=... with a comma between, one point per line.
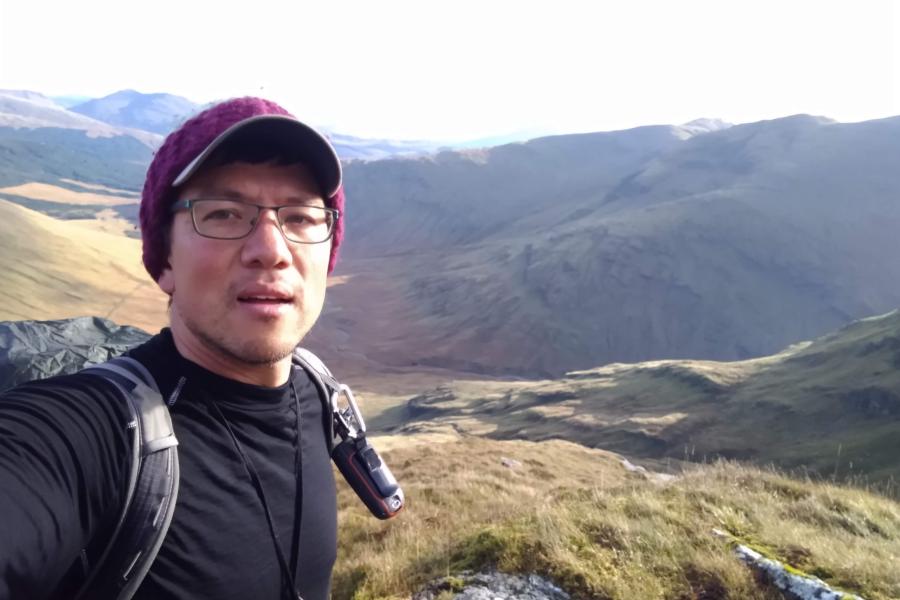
x=577, y=516
x=53, y=193
x=107, y=221
x=102, y=188
x=53, y=269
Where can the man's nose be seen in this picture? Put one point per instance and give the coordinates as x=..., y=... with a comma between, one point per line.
x=266, y=245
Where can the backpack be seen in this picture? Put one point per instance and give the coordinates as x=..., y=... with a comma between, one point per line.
x=152, y=489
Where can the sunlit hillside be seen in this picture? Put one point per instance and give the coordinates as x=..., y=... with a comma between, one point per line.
x=54, y=269
x=55, y=193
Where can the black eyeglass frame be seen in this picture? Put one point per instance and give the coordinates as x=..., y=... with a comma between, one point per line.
x=188, y=205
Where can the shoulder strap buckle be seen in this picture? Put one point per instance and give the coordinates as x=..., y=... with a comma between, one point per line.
x=349, y=420
x=337, y=421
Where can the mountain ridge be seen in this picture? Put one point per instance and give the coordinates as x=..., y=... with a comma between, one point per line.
x=21, y=109
x=563, y=252
x=158, y=113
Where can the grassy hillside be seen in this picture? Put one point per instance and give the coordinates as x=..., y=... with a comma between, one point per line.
x=830, y=406
x=53, y=269
x=51, y=154
x=579, y=517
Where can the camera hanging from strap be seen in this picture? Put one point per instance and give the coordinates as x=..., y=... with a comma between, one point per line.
x=355, y=457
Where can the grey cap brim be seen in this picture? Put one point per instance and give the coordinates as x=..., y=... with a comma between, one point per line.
x=315, y=150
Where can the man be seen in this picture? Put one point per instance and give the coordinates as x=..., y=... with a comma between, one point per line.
x=240, y=219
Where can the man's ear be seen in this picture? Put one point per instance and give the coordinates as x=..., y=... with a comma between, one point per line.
x=166, y=281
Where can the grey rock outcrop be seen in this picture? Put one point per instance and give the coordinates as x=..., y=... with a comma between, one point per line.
x=492, y=586
x=795, y=586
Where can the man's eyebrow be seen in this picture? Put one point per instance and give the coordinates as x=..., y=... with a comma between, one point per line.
x=215, y=192
x=235, y=194
x=226, y=193
x=303, y=199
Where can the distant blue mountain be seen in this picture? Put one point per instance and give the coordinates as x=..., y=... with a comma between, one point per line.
x=355, y=148
x=158, y=113
x=69, y=101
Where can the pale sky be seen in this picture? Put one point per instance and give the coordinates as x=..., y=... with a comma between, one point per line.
x=466, y=69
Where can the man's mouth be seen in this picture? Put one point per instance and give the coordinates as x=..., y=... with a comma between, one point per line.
x=265, y=299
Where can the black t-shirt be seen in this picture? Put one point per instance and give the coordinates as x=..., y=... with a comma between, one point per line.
x=64, y=456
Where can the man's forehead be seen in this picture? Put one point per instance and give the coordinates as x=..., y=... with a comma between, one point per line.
x=242, y=180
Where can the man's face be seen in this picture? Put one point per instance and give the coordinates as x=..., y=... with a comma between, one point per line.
x=249, y=300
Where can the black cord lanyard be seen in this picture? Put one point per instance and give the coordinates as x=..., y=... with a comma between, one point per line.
x=286, y=570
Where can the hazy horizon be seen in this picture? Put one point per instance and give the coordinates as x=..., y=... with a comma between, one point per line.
x=404, y=70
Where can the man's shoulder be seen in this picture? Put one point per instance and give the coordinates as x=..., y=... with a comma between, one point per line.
x=75, y=397
x=80, y=380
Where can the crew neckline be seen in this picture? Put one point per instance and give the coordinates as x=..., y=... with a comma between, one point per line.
x=161, y=356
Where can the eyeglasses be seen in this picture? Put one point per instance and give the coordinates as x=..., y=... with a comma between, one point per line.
x=226, y=219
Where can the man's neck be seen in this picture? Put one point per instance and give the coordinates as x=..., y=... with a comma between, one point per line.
x=220, y=363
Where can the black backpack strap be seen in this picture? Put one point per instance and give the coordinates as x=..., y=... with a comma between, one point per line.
x=313, y=363
x=327, y=386
x=344, y=421
x=152, y=485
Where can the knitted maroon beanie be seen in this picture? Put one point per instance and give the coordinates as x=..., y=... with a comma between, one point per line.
x=179, y=149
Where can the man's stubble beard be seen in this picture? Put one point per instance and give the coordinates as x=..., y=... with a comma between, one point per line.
x=250, y=352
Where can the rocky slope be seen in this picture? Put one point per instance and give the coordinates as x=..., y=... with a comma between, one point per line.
x=830, y=406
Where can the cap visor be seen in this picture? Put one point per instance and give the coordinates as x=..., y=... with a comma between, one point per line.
x=277, y=130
